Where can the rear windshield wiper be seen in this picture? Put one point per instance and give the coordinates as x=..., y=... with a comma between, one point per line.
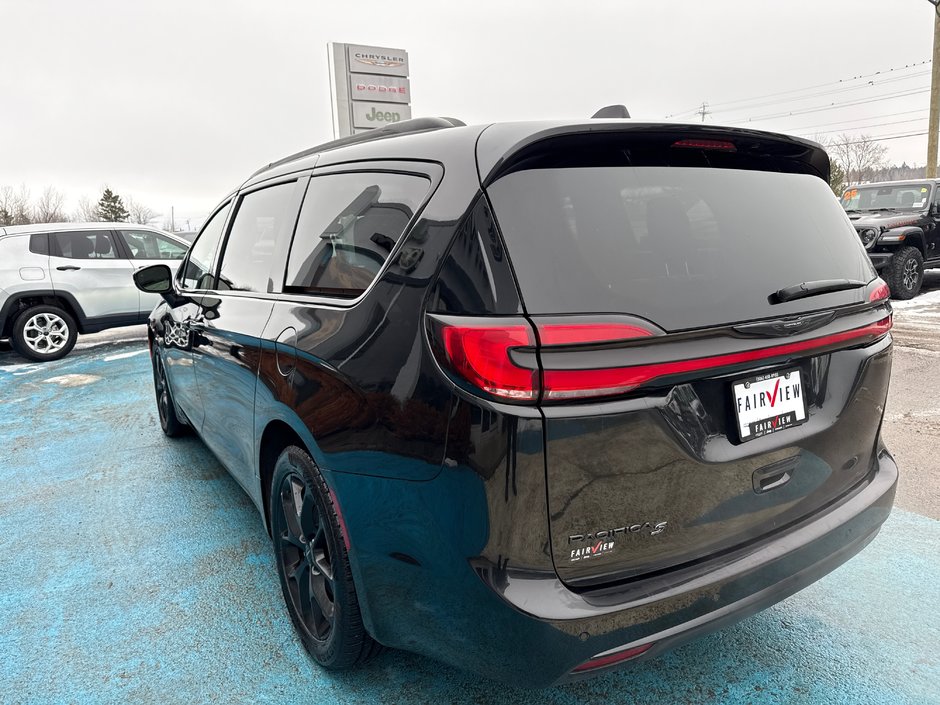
x=804, y=289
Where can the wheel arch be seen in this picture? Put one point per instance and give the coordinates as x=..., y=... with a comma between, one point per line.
x=18, y=303
x=912, y=237
x=276, y=436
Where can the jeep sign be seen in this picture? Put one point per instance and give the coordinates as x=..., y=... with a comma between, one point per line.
x=369, y=87
x=378, y=114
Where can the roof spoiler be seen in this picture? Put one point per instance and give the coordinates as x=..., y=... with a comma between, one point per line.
x=611, y=112
x=404, y=127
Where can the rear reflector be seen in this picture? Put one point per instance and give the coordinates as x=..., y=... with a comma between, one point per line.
x=719, y=145
x=611, y=659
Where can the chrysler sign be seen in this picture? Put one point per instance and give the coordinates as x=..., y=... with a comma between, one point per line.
x=369, y=87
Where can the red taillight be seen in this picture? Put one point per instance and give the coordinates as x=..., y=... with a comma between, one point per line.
x=584, y=333
x=480, y=354
x=611, y=659
x=579, y=384
x=719, y=145
x=576, y=384
x=880, y=292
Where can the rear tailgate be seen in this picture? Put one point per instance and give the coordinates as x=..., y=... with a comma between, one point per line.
x=734, y=411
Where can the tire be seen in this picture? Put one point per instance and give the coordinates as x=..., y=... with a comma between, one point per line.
x=905, y=273
x=44, y=333
x=313, y=565
x=170, y=422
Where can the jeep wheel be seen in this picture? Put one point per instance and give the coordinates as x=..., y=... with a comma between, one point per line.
x=44, y=333
x=905, y=273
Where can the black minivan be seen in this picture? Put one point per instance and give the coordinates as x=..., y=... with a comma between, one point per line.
x=536, y=399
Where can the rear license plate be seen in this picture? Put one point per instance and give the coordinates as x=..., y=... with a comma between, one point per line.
x=768, y=403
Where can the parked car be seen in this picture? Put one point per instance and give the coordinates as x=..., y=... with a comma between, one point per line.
x=897, y=222
x=536, y=399
x=59, y=280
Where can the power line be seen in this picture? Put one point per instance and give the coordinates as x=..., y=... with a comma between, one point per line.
x=833, y=106
x=885, y=138
x=808, y=88
x=870, y=117
x=865, y=127
x=796, y=99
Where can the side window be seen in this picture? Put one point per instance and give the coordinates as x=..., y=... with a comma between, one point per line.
x=83, y=244
x=197, y=272
x=39, y=244
x=348, y=225
x=144, y=244
x=262, y=219
x=936, y=199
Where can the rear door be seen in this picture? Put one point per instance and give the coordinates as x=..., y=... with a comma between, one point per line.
x=88, y=266
x=146, y=247
x=693, y=403
x=227, y=329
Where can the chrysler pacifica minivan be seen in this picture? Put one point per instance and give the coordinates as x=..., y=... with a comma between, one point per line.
x=536, y=399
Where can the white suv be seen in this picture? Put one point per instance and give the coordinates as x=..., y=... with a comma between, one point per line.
x=58, y=280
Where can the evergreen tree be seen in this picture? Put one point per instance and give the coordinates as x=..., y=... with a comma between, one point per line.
x=111, y=208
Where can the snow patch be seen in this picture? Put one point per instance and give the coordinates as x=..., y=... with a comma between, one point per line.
x=122, y=356
x=72, y=380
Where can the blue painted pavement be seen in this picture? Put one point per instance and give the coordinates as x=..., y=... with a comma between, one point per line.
x=135, y=570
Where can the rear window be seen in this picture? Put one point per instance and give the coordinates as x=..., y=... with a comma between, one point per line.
x=682, y=247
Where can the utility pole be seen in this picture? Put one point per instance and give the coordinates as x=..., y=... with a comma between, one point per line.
x=172, y=220
x=933, y=128
x=703, y=112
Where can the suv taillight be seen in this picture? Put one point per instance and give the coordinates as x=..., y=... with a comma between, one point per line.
x=480, y=353
x=501, y=356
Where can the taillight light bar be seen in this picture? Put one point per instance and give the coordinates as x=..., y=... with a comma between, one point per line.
x=498, y=356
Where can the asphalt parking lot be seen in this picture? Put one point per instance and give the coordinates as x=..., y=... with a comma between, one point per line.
x=135, y=569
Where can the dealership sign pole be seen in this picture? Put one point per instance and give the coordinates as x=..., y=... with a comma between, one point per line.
x=369, y=87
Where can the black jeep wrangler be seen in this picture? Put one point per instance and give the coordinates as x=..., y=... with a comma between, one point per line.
x=897, y=222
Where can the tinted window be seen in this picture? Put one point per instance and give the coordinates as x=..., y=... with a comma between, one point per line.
x=197, y=273
x=144, y=244
x=39, y=244
x=263, y=217
x=683, y=247
x=83, y=244
x=348, y=225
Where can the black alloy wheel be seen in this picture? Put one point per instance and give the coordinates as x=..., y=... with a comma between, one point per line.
x=313, y=565
x=170, y=423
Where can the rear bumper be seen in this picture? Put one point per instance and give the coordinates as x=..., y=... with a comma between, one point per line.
x=528, y=629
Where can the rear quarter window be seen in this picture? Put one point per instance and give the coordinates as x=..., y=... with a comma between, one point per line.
x=349, y=223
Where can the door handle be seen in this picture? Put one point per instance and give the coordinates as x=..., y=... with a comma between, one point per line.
x=68, y=268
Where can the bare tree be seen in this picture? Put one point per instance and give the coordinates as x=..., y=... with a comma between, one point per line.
x=87, y=211
x=859, y=156
x=15, y=208
x=139, y=213
x=49, y=207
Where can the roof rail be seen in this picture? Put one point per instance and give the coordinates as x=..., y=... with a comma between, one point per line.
x=425, y=124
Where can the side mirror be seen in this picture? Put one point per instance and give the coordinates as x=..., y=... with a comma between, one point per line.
x=155, y=279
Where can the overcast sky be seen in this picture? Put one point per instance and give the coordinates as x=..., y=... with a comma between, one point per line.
x=176, y=102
